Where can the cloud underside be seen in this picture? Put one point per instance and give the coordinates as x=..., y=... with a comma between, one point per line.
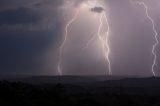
x=97, y=9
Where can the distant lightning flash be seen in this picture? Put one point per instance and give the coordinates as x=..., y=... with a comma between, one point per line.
x=155, y=36
x=107, y=44
x=88, y=43
x=104, y=41
x=64, y=42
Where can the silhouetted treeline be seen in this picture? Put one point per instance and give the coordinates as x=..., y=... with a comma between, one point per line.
x=22, y=94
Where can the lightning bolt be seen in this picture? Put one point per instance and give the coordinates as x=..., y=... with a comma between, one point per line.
x=88, y=43
x=104, y=41
x=59, y=67
x=107, y=44
x=155, y=36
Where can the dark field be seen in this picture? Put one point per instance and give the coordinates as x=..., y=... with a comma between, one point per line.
x=79, y=91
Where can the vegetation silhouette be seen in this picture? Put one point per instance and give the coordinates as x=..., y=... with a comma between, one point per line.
x=25, y=94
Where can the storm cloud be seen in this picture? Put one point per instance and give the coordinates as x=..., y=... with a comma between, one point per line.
x=97, y=9
x=31, y=32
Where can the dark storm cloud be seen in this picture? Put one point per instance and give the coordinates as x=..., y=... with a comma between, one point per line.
x=28, y=29
x=13, y=4
x=18, y=16
x=97, y=9
x=54, y=3
x=30, y=14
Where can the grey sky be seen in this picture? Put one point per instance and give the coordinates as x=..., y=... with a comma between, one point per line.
x=32, y=30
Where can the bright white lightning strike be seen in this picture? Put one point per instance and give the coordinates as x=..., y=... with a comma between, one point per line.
x=155, y=36
x=103, y=40
x=107, y=44
x=64, y=41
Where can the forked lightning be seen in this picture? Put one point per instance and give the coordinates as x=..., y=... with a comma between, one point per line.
x=155, y=34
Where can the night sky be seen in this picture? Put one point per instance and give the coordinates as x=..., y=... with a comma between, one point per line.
x=31, y=32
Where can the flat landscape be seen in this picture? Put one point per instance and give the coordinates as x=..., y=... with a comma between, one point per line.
x=79, y=91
